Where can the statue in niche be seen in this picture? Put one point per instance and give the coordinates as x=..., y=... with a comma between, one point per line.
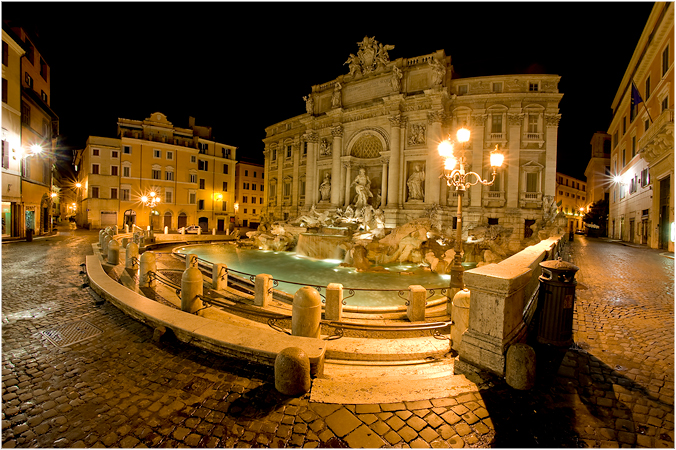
x=309, y=104
x=415, y=184
x=438, y=71
x=324, y=148
x=325, y=188
x=417, y=134
x=354, y=65
x=335, y=98
x=395, y=81
x=362, y=186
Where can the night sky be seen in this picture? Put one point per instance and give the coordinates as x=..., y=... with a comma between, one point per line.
x=240, y=67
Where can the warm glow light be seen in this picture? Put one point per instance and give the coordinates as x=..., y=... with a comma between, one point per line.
x=74, y=205
x=581, y=209
x=617, y=179
x=463, y=135
x=144, y=198
x=53, y=194
x=445, y=149
x=35, y=148
x=497, y=158
x=152, y=194
x=450, y=163
x=78, y=185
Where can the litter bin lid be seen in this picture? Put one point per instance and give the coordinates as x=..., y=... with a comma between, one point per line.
x=559, y=265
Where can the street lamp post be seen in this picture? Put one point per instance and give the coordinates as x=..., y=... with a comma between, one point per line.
x=151, y=200
x=461, y=180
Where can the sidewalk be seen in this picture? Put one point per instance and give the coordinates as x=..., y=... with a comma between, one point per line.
x=117, y=387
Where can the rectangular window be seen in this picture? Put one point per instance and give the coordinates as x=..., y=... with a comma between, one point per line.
x=193, y=159
x=624, y=126
x=95, y=152
x=43, y=96
x=287, y=189
x=157, y=174
x=624, y=157
x=253, y=211
x=224, y=206
x=665, y=103
x=245, y=211
x=43, y=69
x=95, y=192
x=225, y=186
x=127, y=150
x=202, y=165
x=169, y=176
x=462, y=89
x=29, y=81
x=114, y=154
x=615, y=139
x=253, y=200
x=125, y=195
x=114, y=170
x=304, y=148
x=497, y=87
x=288, y=151
x=225, y=169
x=254, y=174
x=646, y=125
x=5, y=54
x=253, y=186
x=532, y=123
x=531, y=182
x=246, y=173
x=170, y=155
x=645, y=178
x=633, y=146
x=496, y=123
x=200, y=204
x=30, y=51
x=274, y=154
x=193, y=178
x=245, y=199
x=202, y=183
x=126, y=171
x=533, y=86
x=5, y=97
x=260, y=200
x=168, y=196
x=157, y=153
x=665, y=61
x=647, y=88
x=113, y=193
x=5, y=154
x=496, y=186
x=95, y=169
x=192, y=198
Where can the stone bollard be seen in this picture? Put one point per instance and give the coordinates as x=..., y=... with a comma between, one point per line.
x=334, y=302
x=192, y=288
x=124, y=243
x=190, y=260
x=106, y=240
x=417, y=300
x=102, y=234
x=219, y=277
x=520, y=366
x=131, y=255
x=148, y=264
x=113, y=252
x=292, y=372
x=213, y=231
x=116, y=230
x=166, y=230
x=199, y=231
x=263, y=289
x=126, y=228
x=306, y=313
x=460, y=317
x=181, y=230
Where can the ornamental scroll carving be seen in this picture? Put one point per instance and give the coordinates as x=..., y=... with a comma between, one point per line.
x=479, y=120
x=436, y=116
x=515, y=119
x=312, y=136
x=552, y=120
x=372, y=55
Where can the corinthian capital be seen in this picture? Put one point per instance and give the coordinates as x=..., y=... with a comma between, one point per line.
x=515, y=119
x=337, y=131
x=478, y=120
x=552, y=120
x=397, y=121
x=436, y=116
x=312, y=136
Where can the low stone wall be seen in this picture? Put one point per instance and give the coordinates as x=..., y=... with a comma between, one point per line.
x=503, y=299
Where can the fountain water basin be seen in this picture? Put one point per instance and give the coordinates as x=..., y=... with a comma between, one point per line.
x=324, y=245
x=380, y=289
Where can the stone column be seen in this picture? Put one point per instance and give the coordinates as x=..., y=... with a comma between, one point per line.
x=295, y=193
x=552, y=129
x=310, y=168
x=393, y=197
x=478, y=121
x=336, y=152
x=348, y=180
x=384, y=187
x=512, y=158
x=433, y=165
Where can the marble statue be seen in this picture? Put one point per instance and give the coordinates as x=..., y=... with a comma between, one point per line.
x=353, y=64
x=438, y=71
x=382, y=55
x=336, y=101
x=415, y=184
x=325, y=188
x=362, y=186
x=416, y=135
x=324, y=148
x=309, y=104
x=395, y=81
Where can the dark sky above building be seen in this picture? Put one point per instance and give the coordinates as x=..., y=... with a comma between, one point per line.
x=240, y=67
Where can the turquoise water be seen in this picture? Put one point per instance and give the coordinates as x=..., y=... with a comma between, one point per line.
x=288, y=266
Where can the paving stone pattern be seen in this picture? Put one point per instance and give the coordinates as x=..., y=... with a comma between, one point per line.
x=122, y=389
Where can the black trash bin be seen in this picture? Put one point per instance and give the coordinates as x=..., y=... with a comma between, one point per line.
x=556, y=301
x=29, y=235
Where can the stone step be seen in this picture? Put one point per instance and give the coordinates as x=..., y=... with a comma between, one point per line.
x=426, y=368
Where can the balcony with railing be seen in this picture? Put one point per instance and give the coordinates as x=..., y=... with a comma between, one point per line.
x=534, y=138
x=493, y=199
x=530, y=199
x=658, y=140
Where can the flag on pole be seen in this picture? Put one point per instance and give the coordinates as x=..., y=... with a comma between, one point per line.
x=635, y=96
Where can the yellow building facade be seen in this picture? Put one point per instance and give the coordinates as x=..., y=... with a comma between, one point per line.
x=249, y=194
x=190, y=176
x=641, y=206
x=572, y=193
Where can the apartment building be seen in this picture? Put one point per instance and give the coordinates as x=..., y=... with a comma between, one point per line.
x=250, y=198
x=642, y=130
x=156, y=175
x=572, y=193
x=29, y=136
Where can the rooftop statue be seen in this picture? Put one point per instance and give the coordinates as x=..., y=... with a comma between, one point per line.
x=371, y=55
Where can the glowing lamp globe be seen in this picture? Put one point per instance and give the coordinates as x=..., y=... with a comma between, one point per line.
x=450, y=163
x=445, y=149
x=497, y=158
x=463, y=135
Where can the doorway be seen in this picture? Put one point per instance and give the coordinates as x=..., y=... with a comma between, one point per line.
x=167, y=220
x=182, y=220
x=665, y=192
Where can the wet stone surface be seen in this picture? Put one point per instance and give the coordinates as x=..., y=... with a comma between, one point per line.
x=123, y=389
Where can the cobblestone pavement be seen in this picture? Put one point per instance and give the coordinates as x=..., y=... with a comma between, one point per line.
x=119, y=388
